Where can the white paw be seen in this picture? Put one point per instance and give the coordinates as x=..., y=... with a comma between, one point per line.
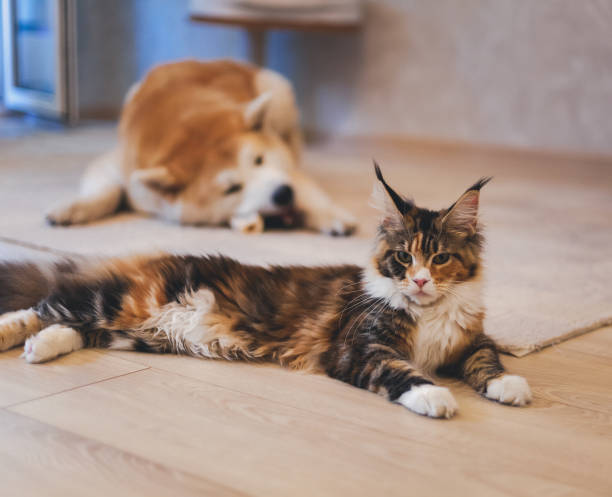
x=337, y=222
x=34, y=352
x=39, y=349
x=67, y=214
x=430, y=400
x=50, y=343
x=252, y=223
x=509, y=389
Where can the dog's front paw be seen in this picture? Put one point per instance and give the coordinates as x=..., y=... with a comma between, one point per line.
x=336, y=222
x=509, y=389
x=252, y=223
x=430, y=400
x=67, y=214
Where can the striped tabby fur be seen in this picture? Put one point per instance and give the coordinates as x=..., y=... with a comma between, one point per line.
x=414, y=310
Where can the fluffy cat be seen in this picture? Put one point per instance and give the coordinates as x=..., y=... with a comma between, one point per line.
x=415, y=309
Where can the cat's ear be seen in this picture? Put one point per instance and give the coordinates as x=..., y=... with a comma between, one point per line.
x=462, y=216
x=395, y=208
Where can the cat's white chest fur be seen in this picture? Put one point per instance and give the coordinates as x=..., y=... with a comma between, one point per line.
x=442, y=327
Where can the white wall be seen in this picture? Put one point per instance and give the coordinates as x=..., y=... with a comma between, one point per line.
x=510, y=72
x=120, y=40
x=1, y=62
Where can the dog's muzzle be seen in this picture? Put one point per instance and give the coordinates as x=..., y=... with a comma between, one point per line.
x=283, y=196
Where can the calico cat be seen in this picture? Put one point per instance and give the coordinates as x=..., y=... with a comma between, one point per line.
x=414, y=310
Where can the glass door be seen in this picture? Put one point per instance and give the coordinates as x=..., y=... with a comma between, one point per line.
x=40, y=57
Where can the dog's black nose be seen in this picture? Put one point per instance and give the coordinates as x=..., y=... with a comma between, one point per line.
x=283, y=195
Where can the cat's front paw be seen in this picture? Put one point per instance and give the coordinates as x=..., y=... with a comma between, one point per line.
x=509, y=389
x=430, y=400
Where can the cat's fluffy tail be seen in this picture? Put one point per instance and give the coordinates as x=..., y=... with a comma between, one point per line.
x=24, y=284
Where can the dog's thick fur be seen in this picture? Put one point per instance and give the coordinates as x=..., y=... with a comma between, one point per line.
x=206, y=143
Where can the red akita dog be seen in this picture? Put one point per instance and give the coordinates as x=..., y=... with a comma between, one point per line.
x=207, y=143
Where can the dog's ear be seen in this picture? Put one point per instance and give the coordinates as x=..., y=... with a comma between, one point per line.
x=157, y=178
x=255, y=111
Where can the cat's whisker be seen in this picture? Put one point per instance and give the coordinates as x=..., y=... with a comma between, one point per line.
x=377, y=310
x=355, y=283
x=356, y=301
x=362, y=317
x=357, y=321
x=353, y=304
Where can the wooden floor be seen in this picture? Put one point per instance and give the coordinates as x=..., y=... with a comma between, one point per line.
x=110, y=424
x=102, y=423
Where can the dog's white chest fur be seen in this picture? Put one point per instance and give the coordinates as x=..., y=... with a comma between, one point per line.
x=442, y=327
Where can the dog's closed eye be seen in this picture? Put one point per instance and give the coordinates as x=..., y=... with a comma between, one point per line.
x=236, y=187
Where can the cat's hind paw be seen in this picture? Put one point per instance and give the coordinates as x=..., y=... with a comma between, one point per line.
x=50, y=343
x=430, y=400
x=509, y=389
x=16, y=326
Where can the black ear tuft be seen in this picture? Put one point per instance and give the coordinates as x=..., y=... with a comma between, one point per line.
x=399, y=202
x=462, y=216
x=480, y=183
x=378, y=172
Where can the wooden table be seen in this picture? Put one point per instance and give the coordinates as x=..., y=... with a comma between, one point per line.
x=257, y=23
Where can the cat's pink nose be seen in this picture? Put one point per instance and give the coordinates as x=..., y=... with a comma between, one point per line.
x=420, y=282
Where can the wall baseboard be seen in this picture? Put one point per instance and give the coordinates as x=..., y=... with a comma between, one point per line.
x=427, y=143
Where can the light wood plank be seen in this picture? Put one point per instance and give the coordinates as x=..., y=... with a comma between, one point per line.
x=598, y=342
x=37, y=459
x=20, y=381
x=250, y=441
x=267, y=448
x=548, y=421
x=321, y=394
x=560, y=374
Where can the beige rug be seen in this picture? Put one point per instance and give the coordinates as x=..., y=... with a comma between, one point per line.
x=549, y=255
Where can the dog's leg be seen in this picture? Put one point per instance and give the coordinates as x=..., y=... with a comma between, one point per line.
x=100, y=194
x=252, y=223
x=145, y=194
x=320, y=212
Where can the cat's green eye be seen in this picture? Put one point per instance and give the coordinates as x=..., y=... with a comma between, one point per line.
x=403, y=257
x=441, y=258
x=258, y=160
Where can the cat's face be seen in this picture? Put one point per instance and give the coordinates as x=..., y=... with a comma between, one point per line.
x=422, y=255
